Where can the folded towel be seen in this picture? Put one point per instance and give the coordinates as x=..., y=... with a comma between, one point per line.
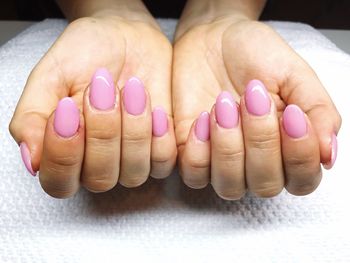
x=166, y=220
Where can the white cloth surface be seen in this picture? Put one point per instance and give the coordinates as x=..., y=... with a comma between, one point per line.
x=165, y=220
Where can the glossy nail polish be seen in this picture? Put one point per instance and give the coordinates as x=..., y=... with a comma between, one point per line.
x=159, y=122
x=294, y=121
x=67, y=118
x=226, y=111
x=334, y=152
x=134, y=96
x=102, y=90
x=27, y=160
x=257, y=99
x=202, y=127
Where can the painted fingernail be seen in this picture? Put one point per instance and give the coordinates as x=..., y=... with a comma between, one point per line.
x=257, y=99
x=134, y=96
x=159, y=122
x=67, y=119
x=334, y=153
x=226, y=112
x=27, y=160
x=102, y=91
x=202, y=127
x=294, y=121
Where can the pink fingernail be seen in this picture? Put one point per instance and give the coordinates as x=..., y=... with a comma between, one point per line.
x=67, y=119
x=159, y=122
x=202, y=127
x=257, y=99
x=102, y=91
x=294, y=121
x=334, y=153
x=134, y=96
x=27, y=160
x=226, y=110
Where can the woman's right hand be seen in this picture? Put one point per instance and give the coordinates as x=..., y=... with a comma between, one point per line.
x=75, y=127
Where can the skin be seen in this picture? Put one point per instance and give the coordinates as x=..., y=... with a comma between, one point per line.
x=127, y=41
x=213, y=51
x=223, y=47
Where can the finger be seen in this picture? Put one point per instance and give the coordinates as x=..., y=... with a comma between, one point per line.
x=263, y=163
x=194, y=156
x=136, y=134
x=102, y=133
x=305, y=90
x=301, y=155
x=38, y=100
x=63, y=151
x=163, y=149
x=227, y=149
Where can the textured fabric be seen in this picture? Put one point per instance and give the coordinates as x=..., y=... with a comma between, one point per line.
x=166, y=220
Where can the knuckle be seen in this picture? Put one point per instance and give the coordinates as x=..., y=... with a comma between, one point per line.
x=59, y=190
x=195, y=182
x=267, y=190
x=132, y=181
x=99, y=184
x=297, y=164
x=163, y=156
x=139, y=138
x=231, y=194
x=269, y=139
x=305, y=186
x=103, y=133
x=194, y=163
x=63, y=162
x=230, y=154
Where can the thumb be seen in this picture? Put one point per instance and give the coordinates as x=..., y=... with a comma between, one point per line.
x=38, y=100
x=305, y=89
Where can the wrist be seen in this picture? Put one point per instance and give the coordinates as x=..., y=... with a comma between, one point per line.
x=130, y=10
x=198, y=12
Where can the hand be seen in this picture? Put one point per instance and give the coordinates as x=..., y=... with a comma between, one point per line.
x=250, y=146
x=108, y=138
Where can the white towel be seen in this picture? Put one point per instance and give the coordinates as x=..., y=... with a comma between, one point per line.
x=165, y=220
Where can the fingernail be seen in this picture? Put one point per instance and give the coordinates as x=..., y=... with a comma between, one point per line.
x=226, y=112
x=66, y=122
x=102, y=91
x=159, y=122
x=27, y=160
x=257, y=99
x=334, y=153
x=134, y=96
x=294, y=121
x=202, y=127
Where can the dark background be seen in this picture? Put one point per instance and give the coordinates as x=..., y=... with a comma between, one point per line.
x=319, y=13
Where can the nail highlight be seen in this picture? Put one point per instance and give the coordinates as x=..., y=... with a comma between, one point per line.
x=102, y=90
x=257, y=99
x=334, y=153
x=134, y=96
x=159, y=122
x=67, y=118
x=27, y=160
x=226, y=111
x=202, y=127
x=294, y=121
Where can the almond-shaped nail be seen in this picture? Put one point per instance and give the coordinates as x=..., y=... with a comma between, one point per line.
x=102, y=90
x=294, y=121
x=202, y=127
x=226, y=111
x=134, y=96
x=334, y=153
x=159, y=122
x=67, y=118
x=26, y=158
x=257, y=99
